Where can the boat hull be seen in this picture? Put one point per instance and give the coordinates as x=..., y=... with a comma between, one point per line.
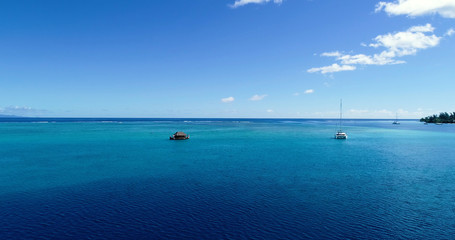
x=178, y=138
x=341, y=136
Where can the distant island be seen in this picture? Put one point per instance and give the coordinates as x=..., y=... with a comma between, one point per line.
x=443, y=117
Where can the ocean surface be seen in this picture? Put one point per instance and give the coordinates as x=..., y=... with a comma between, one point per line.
x=233, y=179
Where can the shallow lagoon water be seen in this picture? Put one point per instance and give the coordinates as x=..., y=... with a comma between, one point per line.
x=234, y=179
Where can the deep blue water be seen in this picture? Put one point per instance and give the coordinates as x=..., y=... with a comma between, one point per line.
x=234, y=179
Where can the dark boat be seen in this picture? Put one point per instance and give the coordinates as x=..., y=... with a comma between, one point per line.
x=179, y=136
x=396, y=120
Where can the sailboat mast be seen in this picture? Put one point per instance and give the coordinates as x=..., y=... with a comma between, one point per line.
x=341, y=111
x=340, y=134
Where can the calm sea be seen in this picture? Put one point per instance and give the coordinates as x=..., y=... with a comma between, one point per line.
x=234, y=179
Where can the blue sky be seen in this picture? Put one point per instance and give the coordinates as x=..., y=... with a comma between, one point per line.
x=227, y=58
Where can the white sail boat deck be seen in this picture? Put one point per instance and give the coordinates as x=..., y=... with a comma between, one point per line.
x=340, y=134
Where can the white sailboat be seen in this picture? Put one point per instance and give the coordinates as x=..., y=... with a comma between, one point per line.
x=340, y=134
x=396, y=119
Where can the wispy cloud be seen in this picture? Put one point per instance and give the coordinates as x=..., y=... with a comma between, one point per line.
x=22, y=111
x=309, y=91
x=332, y=68
x=450, y=32
x=227, y=100
x=269, y=110
x=358, y=111
x=239, y=3
x=364, y=113
x=258, y=97
x=396, y=45
x=413, y=8
x=373, y=113
x=385, y=113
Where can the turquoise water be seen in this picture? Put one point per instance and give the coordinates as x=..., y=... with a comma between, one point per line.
x=247, y=179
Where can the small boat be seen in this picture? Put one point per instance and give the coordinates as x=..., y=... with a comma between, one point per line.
x=340, y=134
x=396, y=120
x=179, y=136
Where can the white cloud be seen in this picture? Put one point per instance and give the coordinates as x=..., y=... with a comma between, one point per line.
x=296, y=94
x=396, y=45
x=228, y=99
x=408, y=42
x=258, y=97
x=383, y=58
x=309, y=91
x=239, y=3
x=331, y=54
x=449, y=32
x=413, y=8
x=332, y=68
x=269, y=110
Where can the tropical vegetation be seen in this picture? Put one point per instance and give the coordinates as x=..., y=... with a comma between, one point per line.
x=443, y=117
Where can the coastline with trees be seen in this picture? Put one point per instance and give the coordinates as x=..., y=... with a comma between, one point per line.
x=443, y=117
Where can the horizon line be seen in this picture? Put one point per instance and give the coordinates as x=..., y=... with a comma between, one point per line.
x=309, y=118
